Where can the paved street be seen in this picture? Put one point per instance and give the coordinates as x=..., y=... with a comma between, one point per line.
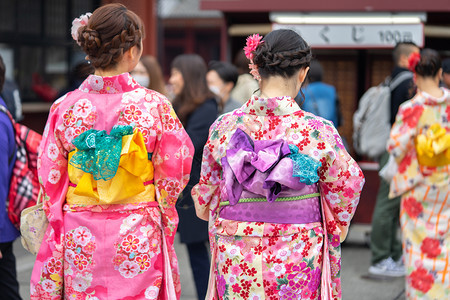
x=355, y=262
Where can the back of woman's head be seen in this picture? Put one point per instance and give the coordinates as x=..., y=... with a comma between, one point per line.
x=110, y=32
x=429, y=63
x=281, y=53
x=195, y=89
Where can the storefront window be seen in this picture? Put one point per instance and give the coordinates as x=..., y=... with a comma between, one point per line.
x=37, y=47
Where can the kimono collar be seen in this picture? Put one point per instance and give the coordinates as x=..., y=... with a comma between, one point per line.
x=277, y=106
x=109, y=84
x=430, y=100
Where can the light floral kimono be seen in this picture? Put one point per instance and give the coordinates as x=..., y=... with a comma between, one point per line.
x=110, y=200
x=270, y=260
x=420, y=143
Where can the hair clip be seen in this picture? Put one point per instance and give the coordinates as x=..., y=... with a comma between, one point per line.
x=77, y=23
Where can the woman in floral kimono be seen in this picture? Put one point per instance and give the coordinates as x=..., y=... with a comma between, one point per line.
x=420, y=144
x=113, y=161
x=277, y=186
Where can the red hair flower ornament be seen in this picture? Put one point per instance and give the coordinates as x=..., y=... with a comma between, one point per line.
x=252, y=43
x=413, y=60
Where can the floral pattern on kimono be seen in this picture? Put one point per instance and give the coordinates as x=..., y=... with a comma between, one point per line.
x=425, y=202
x=291, y=257
x=139, y=233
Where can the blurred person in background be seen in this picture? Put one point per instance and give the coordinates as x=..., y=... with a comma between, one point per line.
x=246, y=85
x=320, y=98
x=9, y=287
x=221, y=79
x=386, y=249
x=446, y=73
x=197, y=108
x=148, y=74
x=420, y=144
x=11, y=97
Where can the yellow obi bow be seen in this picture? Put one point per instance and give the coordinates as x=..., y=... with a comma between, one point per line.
x=433, y=147
x=132, y=183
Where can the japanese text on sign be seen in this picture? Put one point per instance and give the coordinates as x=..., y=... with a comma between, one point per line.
x=357, y=36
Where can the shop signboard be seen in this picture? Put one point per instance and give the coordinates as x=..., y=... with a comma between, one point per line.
x=357, y=35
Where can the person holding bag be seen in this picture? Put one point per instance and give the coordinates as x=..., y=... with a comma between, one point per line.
x=113, y=160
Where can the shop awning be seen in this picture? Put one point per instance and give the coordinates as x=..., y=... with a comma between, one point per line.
x=321, y=5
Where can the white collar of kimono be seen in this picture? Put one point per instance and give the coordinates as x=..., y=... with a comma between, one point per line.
x=277, y=106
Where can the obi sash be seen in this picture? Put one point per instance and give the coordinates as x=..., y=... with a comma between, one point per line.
x=302, y=209
x=269, y=181
x=433, y=147
x=110, y=169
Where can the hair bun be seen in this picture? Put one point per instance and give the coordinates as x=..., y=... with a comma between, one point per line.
x=89, y=40
x=111, y=30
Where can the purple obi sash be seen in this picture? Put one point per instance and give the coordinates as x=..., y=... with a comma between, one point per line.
x=268, y=181
x=284, y=210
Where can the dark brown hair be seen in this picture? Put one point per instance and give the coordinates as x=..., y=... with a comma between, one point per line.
x=155, y=74
x=429, y=63
x=111, y=31
x=282, y=53
x=195, y=90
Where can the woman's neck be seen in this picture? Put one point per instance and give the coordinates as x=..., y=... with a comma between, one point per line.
x=121, y=67
x=430, y=86
x=109, y=72
x=277, y=86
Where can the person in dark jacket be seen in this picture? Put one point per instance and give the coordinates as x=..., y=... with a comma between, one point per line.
x=9, y=287
x=197, y=109
x=385, y=247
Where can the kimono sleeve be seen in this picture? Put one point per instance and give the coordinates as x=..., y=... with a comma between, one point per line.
x=401, y=146
x=172, y=159
x=206, y=193
x=341, y=183
x=54, y=179
x=404, y=129
x=52, y=172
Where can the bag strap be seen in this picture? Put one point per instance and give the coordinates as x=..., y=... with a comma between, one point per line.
x=39, y=197
x=397, y=80
x=6, y=112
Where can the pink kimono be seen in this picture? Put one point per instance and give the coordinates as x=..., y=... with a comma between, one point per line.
x=110, y=199
x=279, y=190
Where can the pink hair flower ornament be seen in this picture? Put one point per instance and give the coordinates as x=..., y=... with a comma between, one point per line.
x=77, y=23
x=252, y=43
x=413, y=60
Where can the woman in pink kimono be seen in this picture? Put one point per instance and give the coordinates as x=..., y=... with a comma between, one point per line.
x=420, y=144
x=113, y=161
x=277, y=186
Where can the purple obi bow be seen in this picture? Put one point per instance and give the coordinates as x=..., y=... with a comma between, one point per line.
x=261, y=167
